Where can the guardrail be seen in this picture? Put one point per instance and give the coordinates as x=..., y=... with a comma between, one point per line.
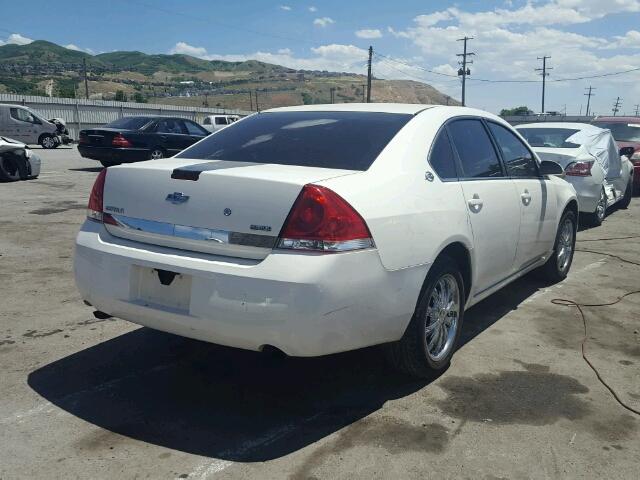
x=81, y=113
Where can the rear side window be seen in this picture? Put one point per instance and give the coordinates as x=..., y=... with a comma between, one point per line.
x=221, y=120
x=169, y=125
x=441, y=157
x=517, y=158
x=194, y=129
x=343, y=140
x=476, y=152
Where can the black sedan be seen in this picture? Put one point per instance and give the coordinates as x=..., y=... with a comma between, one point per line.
x=132, y=139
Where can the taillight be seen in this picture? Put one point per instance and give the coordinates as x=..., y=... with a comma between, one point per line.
x=635, y=158
x=320, y=219
x=95, y=207
x=83, y=138
x=579, y=169
x=120, y=141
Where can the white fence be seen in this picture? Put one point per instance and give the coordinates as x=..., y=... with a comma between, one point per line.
x=81, y=113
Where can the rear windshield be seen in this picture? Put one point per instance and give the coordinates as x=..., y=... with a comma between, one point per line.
x=344, y=140
x=623, y=132
x=129, y=123
x=549, y=137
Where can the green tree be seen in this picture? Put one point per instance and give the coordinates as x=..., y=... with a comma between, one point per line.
x=139, y=98
x=121, y=96
x=522, y=110
x=306, y=98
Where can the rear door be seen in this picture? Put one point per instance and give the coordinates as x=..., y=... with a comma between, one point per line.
x=538, y=213
x=492, y=203
x=172, y=135
x=195, y=131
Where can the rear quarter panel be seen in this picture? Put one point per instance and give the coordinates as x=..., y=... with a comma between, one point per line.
x=411, y=219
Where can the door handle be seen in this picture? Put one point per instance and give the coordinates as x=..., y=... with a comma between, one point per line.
x=475, y=204
x=526, y=198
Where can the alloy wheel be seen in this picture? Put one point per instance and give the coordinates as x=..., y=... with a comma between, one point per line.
x=157, y=154
x=442, y=316
x=601, y=208
x=48, y=142
x=565, y=245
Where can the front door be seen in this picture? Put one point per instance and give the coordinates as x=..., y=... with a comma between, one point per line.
x=492, y=203
x=538, y=215
x=22, y=125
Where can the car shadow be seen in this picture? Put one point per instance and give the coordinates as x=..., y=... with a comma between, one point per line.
x=86, y=169
x=231, y=404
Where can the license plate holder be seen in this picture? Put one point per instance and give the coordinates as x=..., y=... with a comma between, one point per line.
x=150, y=291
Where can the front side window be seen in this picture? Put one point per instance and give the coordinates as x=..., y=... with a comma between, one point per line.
x=474, y=147
x=342, y=140
x=207, y=121
x=221, y=121
x=22, y=115
x=441, y=157
x=516, y=156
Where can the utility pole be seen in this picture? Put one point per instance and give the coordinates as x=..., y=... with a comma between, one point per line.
x=257, y=107
x=250, y=101
x=332, y=92
x=369, y=75
x=637, y=107
x=86, y=83
x=464, y=71
x=544, y=75
x=364, y=88
x=206, y=100
x=589, y=94
x=616, y=106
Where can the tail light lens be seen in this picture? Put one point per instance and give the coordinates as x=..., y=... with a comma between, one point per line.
x=579, y=169
x=322, y=220
x=120, y=141
x=635, y=158
x=95, y=207
x=83, y=138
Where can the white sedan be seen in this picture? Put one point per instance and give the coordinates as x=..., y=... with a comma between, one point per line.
x=592, y=163
x=326, y=228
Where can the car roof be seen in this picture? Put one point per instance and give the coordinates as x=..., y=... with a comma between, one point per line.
x=406, y=108
x=569, y=125
x=617, y=119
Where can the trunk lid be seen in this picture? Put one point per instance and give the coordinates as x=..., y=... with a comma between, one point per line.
x=102, y=137
x=226, y=208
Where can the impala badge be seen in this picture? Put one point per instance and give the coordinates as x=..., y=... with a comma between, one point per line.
x=177, y=198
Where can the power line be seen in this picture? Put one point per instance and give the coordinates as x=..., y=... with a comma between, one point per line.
x=464, y=71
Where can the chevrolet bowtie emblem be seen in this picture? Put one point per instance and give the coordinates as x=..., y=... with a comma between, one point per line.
x=177, y=198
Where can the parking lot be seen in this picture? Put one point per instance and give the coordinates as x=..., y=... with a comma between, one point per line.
x=90, y=398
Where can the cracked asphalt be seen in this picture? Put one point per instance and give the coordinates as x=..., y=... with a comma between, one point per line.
x=88, y=398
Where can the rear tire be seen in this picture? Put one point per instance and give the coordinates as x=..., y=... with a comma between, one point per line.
x=558, y=264
x=47, y=141
x=430, y=340
x=596, y=218
x=156, y=153
x=628, y=193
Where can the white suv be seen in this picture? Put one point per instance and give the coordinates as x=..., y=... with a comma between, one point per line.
x=325, y=228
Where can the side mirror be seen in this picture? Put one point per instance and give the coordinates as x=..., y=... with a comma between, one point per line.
x=548, y=167
x=627, y=151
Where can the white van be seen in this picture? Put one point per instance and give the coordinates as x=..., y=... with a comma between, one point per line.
x=25, y=125
x=213, y=123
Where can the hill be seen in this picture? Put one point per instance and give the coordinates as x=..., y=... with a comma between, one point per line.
x=44, y=67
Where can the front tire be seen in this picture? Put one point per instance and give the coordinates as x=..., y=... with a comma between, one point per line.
x=47, y=141
x=558, y=264
x=430, y=340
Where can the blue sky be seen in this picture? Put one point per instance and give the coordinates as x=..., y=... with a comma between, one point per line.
x=583, y=37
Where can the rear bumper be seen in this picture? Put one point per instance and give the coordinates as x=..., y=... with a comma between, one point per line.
x=303, y=304
x=111, y=154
